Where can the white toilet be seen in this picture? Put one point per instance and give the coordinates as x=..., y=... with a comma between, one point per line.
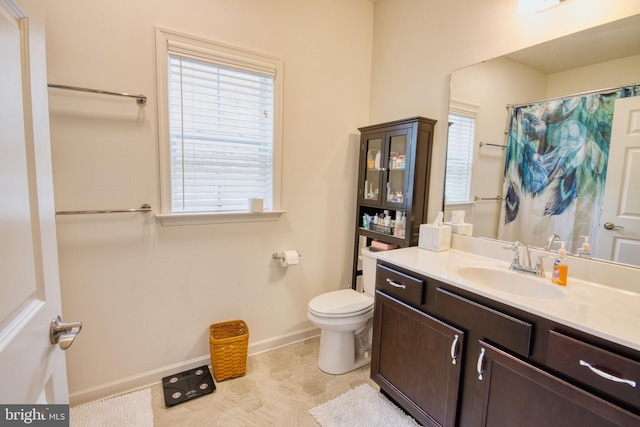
x=345, y=318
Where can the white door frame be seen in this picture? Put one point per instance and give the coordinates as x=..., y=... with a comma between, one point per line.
x=32, y=369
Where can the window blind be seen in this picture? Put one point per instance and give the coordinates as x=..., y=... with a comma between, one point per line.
x=221, y=124
x=459, y=158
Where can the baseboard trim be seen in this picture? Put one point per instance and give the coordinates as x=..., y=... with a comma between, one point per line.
x=146, y=379
x=282, y=340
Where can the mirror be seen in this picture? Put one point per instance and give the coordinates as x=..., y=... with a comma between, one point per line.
x=602, y=57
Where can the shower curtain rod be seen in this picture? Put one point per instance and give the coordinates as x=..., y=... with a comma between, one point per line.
x=140, y=99
x=588, y=92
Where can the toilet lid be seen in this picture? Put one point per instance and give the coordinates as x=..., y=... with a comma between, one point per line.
x=340, y=303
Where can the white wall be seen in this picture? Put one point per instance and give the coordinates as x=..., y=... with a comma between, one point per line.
x=614, y=73
x=418, y=43
x=147, y=293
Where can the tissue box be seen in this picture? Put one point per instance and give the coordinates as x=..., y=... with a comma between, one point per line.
x=434, y=238
x=466, y=229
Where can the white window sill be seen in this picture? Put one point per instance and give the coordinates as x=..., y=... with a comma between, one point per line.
x=200, y=218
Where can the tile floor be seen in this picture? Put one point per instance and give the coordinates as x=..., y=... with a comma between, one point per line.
x=278, y=389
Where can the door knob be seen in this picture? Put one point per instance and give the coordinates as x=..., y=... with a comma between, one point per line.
x=63, y=333
x=612, y=226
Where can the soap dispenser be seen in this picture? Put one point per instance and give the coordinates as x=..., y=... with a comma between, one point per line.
x=585, y=250
x=560, y=267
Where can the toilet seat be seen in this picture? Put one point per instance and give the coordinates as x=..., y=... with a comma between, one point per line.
x=342, y=303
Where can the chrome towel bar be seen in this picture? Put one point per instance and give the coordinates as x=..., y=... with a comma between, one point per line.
x=498, y=197
x=144, y=208
x=140, y=99
x=482, y=144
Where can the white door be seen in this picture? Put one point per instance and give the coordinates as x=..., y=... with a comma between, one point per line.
x=32, y=370
x=619, y=238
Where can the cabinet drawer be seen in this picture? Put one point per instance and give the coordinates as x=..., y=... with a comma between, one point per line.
x=499, y=328
x=406, y=288
x=607, y=372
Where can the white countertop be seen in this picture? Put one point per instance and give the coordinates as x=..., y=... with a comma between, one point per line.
x=604, y=311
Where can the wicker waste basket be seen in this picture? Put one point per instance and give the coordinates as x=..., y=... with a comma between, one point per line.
x=228, y=342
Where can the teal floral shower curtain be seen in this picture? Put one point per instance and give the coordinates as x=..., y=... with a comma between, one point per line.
x=555, y=168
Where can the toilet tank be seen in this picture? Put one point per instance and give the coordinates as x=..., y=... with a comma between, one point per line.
x=368, y=272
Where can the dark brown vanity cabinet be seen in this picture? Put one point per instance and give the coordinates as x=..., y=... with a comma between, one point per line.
x=512, y=368
x=393, y=176
x=610, y=373
x=511, y=392
x=416, y=361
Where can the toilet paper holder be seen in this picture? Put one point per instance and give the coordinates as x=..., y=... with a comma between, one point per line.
x=279, y=256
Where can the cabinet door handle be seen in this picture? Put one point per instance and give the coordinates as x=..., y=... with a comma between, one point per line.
x=454, y=350
x=396, y=284
x=607, y=375
x=479, y=366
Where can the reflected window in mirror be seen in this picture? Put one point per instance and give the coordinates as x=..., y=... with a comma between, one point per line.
x=460, y=154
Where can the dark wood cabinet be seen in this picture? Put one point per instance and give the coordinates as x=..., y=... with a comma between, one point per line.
x=416, y=361
x=511, y=392
x=513, y=368
x=612, y=374
x=393, y=176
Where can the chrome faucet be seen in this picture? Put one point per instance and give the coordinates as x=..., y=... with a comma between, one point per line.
x=527, y=253
x=550, y=240
x=538, y=270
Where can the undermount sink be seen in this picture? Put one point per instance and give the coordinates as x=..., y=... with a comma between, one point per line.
x=512, y=282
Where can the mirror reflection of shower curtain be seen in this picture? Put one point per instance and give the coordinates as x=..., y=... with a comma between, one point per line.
x=555, y=168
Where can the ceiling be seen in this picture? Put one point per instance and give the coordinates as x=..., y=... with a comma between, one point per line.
x=615, y=40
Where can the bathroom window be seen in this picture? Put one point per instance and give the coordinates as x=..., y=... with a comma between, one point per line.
x=460, y=144
x=219, y=127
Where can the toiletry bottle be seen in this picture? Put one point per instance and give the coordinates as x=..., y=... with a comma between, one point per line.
x=371, y=159
x=585, y=250
x=387, y=218
x=560, y=267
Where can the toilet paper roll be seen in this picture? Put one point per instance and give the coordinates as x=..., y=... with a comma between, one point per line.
x=289, y=258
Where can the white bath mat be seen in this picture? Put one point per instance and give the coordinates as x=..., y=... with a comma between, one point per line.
x=128, y=410
x=361, y=406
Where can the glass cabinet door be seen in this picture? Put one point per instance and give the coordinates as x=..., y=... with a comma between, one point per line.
x=395, y=188
x=374, y=169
